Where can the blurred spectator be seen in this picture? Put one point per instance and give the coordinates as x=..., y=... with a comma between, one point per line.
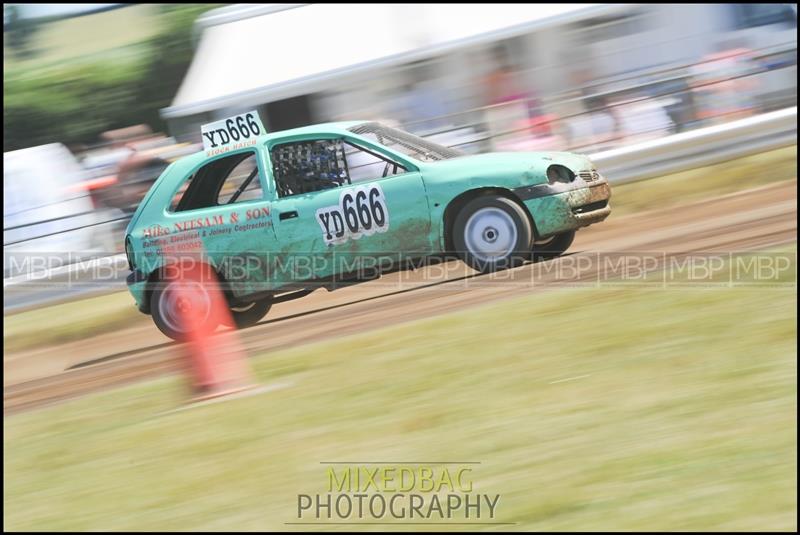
x=723, y=90
x=135, y=176
x=641, y=120
x=122, y=172
x=121, y=136
x=597, y=128
x=511, y=105
x=424, y=103
x=531, y=135
x=502, y=85
x=678, y=99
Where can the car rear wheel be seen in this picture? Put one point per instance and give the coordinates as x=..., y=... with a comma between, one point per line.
x=492, y=233
x=555, y=246
x=183, y=306
x=243, y=316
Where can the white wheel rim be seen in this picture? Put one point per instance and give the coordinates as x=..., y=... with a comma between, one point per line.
x=181, y=297
x=490, y=234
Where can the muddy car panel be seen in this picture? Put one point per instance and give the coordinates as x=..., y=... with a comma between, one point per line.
x=279, y=242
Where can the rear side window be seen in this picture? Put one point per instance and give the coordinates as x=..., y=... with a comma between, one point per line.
x=227, y=180
x=315, y=165
x=307, y=166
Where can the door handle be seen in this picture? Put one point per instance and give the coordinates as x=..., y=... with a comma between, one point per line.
x=288, y=215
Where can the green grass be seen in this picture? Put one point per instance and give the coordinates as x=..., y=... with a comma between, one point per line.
x=67, y=322
x=22, y=331
x=696, y=184
x=591, y=409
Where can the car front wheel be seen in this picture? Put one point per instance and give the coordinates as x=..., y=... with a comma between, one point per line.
x=183, y=306
x=492, y=233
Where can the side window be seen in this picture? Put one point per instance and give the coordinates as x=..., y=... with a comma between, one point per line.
x=231, y=179
x=365, y=165
x=242, y=184
x=176, y=199
x=308, y=166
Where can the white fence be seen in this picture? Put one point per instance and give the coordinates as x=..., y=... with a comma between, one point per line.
x=700, y=147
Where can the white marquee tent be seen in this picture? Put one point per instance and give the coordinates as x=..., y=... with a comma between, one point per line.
x=289, y=50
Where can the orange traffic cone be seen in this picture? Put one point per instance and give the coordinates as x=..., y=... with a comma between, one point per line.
x=217, y=363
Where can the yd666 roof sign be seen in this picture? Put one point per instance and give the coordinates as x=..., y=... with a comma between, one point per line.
x=232, y=133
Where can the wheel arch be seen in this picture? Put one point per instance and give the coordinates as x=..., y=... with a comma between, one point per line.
x=166, y=271
x=458, y=202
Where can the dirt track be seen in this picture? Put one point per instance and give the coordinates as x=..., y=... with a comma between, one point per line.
x=744, y=221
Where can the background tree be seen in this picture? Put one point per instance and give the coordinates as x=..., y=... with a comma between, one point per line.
x=74, y=103
x=19, y=31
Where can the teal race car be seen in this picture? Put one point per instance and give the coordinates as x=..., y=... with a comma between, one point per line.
x=273, y=216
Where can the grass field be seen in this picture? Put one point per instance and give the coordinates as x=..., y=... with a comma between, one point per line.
x=695, y=184
x=75, y=39
x=592, y=408
x=67, y=322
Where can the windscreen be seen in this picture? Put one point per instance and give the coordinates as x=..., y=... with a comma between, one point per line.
x=408, y=144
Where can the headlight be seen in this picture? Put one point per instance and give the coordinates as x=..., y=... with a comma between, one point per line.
x=129, y=252
x=559, y=173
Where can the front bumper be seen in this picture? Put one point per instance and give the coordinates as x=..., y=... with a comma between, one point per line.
x=557, y=208
x=137, y=286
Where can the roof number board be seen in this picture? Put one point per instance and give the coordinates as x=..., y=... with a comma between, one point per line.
x=232, y=133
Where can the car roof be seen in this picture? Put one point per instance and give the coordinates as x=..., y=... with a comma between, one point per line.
x=186, y=162
x=340, y=127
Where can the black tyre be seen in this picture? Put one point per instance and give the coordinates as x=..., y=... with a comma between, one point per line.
x=243, y=316
x=173, y=299
x=555, y=246
x=492, y=233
